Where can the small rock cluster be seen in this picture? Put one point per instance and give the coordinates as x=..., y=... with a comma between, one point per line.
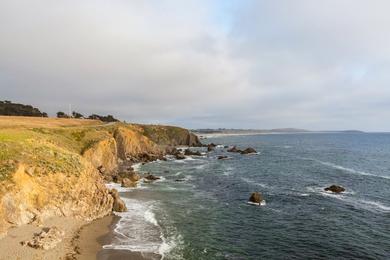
x=47, y=239
x=248, y=150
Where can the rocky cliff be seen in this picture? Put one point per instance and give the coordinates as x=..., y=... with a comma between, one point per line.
x=59, y=171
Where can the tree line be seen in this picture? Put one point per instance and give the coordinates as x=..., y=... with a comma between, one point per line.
x=8, y=108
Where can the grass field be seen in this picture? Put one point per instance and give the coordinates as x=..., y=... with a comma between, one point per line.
x=38, y=122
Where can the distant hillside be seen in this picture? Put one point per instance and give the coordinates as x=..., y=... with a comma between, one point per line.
x=248, y=131
x=7, y=108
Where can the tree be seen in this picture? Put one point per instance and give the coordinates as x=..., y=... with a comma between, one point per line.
x=77, y=115
x=61, y=114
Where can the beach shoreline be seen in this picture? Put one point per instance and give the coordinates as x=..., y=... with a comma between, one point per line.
x=90, y=239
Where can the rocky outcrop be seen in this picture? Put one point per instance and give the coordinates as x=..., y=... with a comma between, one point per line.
x=170, y=135
x=256, y=198
x=234, y=150
x=335, y=189
x=151, y=177
x=103, y=156
x=249, y=150
x=132, y=145
x=190, y=152
x=119, y=205
x=47, y=239
x=180, y=156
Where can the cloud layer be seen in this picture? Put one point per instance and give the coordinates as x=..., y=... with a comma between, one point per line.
x=253, y=64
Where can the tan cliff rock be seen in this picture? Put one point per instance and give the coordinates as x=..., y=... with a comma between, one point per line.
x=29, y=198
x=103, y=155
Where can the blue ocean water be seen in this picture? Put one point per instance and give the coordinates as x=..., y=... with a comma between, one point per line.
x=199, y=209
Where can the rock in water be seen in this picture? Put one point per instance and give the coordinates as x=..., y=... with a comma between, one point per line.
x=256, y=197
x=335, y=189
x=248, y=150
x=47, y=239
x=127, y=183
x=210, y=148
x=222, y=157
x=180, y=156
x=151, y=177
x=119, y=204
x=234, y=150
x=189, y=152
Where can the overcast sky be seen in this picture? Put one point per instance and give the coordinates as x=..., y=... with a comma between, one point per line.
x=242, y=64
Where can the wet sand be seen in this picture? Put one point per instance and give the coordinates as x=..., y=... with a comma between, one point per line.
x=91, y=238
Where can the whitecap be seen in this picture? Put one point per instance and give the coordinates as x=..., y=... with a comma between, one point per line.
x=373, y=206
x=350, y=170
x=262, y=203
x=136, y=166
x=134, y=231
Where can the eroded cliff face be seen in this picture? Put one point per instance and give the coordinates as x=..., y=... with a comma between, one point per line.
x=31, y=197
x=131, y=143
x=60, y=172
x=103, y=155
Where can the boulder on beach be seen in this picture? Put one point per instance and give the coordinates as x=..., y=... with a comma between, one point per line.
x=335, y=189
x=248, y=150
x=256, y=197
x=222, y=157
x=47, y=239
x=119, y=205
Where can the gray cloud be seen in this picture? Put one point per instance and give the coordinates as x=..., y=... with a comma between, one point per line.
x=260, y=64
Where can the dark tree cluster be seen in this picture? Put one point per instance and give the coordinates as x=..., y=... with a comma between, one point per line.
x=61, y=114
x=7, y=108
x=108, y=118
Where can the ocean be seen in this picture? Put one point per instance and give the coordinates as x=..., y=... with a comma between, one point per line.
x=199, y=209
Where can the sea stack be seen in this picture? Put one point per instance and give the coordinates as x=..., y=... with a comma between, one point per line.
x=335, y=189
x=256, y=198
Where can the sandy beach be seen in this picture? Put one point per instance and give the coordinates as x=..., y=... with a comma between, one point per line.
x=82, y=241
x=11, y=247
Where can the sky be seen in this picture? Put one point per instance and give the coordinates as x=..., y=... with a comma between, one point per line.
x=318, y=65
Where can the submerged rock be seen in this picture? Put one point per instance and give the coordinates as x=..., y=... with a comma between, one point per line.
x=248, y=150
x=47, y=239
x=119, y=205
x=335, y=189
x=222, y=157
x=256, y=197
x=151, y=177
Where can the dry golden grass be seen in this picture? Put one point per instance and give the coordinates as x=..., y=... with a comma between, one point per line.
x=41, y=122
